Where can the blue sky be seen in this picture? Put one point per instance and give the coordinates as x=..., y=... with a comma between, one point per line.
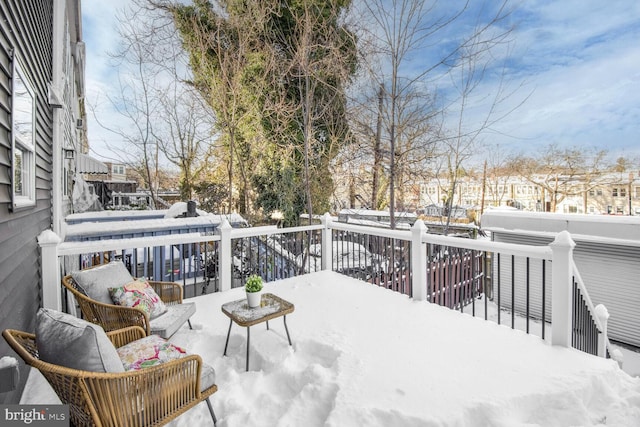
x=578, y=61
x=581, y=59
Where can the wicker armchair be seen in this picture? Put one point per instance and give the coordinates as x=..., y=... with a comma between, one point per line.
x=112, y=317
x=147, y=397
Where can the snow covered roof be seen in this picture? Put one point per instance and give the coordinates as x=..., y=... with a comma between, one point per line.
x=133, y=225
x=87, y=164
x=374, y=213
x=114, y=215
x=612, y=229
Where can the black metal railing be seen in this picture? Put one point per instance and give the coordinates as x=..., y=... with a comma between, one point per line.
x=584, y=329
x=519, y=291
x=484, y=279
x=192, y=264
x=276, y=255
x=380, y=260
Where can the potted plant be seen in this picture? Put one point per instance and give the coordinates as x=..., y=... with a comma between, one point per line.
x=253, y=287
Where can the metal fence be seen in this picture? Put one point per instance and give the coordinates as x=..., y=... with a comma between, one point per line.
x=584, y=330
x=479, y=277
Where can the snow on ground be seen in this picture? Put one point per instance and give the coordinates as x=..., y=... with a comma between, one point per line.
x=365, y=356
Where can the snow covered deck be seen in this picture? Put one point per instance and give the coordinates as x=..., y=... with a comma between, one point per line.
x=364, y=355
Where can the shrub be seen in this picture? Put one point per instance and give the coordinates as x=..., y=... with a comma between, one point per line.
x=253, y=284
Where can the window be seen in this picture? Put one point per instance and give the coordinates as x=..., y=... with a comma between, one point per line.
x=23, y=167
x=622, y=192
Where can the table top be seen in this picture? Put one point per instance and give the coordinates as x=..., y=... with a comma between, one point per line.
x=271, y=306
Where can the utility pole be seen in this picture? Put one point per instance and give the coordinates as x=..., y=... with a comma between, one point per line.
x=484, y=184
x=629, y=192
x=377, y=157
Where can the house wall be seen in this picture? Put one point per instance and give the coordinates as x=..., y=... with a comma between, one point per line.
x=25, y=30
x=69, y=116
x=607, y=255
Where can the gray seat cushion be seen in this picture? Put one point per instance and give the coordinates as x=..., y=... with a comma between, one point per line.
x=65, y=340
x=95, y=282
x=168, y=323
x=207, y=376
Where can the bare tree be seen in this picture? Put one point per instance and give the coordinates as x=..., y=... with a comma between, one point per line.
x=415, y=128
x=462, y=141
x=398, y=31
x=162, y=119
x=563, y=172
x=498, y=172
x=185, y=133
x=362, y=160
x=134, y=101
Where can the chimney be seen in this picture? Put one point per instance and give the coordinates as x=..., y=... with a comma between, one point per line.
x=191, y=209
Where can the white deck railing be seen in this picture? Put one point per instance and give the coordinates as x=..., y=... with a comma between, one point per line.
x=418, y=256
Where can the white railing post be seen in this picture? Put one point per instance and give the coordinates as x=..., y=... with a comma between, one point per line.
x=419, y=261
x=602, y=314
x=51, y=290
x=562, y=288
x=327, y=243
x=225, y=256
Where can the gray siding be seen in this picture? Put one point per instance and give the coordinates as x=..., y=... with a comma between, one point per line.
x=26, y=27
x=612, y=277
x=611, y=274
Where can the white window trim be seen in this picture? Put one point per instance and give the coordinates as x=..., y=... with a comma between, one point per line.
x=28, y=198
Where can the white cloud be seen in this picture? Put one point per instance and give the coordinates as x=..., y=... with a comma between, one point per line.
x=582, y=62
x=580, y=58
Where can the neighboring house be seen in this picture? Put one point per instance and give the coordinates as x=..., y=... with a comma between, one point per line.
x=41, y=131
x=117, y=172
x=607, y=254
x=612, y=193
x=116, y=191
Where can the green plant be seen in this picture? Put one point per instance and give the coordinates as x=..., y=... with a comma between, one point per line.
x=253, y=284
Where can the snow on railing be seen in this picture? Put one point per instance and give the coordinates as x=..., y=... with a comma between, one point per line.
x=450, y=271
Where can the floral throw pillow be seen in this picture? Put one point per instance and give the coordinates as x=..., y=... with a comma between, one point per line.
x=139, y=294
x=147, y=352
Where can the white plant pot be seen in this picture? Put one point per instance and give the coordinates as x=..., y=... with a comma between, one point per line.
x=253, y=298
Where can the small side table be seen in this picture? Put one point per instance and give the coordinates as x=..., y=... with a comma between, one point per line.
x=271, y=307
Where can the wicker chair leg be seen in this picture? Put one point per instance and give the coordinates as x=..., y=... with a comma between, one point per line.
x=213, y=415
x=189, y=322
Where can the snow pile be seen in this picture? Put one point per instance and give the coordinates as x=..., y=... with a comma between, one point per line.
x=180, y=208
x=8, y=362
x=365, y=356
